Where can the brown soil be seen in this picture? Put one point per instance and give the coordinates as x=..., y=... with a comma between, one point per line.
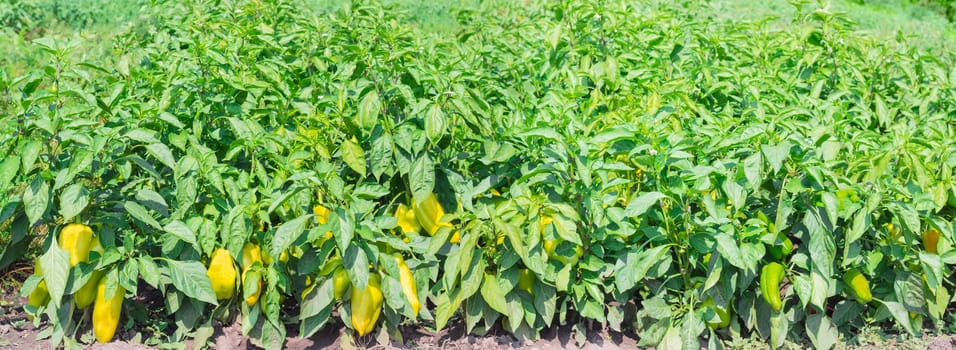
x=942, y=343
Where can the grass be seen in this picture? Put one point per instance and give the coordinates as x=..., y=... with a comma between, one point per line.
x=916, y=25
x=432, y=16
x=92, y=24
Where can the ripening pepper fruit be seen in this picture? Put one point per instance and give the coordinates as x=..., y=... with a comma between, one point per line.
x=40, y=295
x=321, y=214
x=859, y=286
x=429, y=213
x=550, y=247
x=366, y=305
x=408, y=285
x=251, y=286
x=106, y=312
x=87, y=294
x=548, y=244
x=721, y=317
x=222, y=274
x=406, y=219
x=322, y=217
x=931, y=241
x=251, y=254
x=340, y=282
x=770, y=277
x=526, y=280
x=894, y=232
x=782, y=248
x=77, y=239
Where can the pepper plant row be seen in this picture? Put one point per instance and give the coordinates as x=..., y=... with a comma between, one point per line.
x=634, y=166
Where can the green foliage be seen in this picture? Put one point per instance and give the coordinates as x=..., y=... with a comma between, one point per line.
x=637, y=159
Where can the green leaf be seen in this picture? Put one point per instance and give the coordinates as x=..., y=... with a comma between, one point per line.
x=354, y=156
x=435, y=123
x=638, y=206
x=369, y=110
x=779, y=326
x=493, y=295
x=752, y=166
x=73, y=200
x=691, y=329
x=28, y=155
x=775, y=155
x=446, y=305
x=319, y=300
x=137, y=211
x=821, y=245
x=189, y=277
x=422, y=177
x=728, y=248
x=56, y=270
x=356, y=262
x=171, y=120
x=82, y=161
x=36, y=199
x=129, y=277
x=633, y=268
x=179, y=230
x=820, y=331
x=287, y=233
x=251, y=284
x=861, y=221
x=152, y=200
x=8, y=170
x=901, y=315
x=162, y=153
x=567, y=229
x=149, y=271
x=672, y=339
x=380, y=156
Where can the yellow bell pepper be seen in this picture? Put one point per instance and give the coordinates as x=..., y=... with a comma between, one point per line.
x=40, y=295
x=859, y=286
x=222, y=274
x=77, y=239
x=406, y=219
x=251, y=254
x=428, y=213
x=252, y=296
x=321, y=214
x=106, y=312
x=366, y=305
x=408, y=285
